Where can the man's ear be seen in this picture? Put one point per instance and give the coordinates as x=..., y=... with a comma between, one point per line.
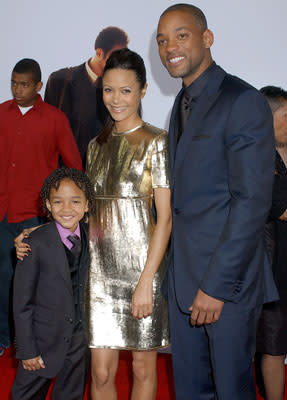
x=208, y=38
x=100, y=53
x=39, y=86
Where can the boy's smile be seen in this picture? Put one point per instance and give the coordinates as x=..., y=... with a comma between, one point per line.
x=68, y=204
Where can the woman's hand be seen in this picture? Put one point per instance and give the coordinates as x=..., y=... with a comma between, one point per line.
x=142, y=300
x=22, y=249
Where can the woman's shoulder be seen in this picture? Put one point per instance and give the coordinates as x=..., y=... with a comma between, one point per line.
x=153, y=130
x=92, y=143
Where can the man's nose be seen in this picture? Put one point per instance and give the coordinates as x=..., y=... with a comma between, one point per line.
x=171, y=45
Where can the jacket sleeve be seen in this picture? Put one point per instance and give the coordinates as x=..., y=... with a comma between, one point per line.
x=53, y=90
x=250, y=152
x=58, y=91
x=279, y=197
x=24, y=292
x=66, y=142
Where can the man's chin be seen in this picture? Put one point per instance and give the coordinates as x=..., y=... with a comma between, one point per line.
x=175, y=74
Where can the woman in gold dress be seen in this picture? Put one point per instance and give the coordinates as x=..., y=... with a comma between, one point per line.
x=128, y=166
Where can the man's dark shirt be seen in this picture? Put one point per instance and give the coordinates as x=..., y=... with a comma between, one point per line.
x=279, y=205
x=196, y=87
x=193, y=93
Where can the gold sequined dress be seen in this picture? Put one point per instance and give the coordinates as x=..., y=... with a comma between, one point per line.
x=124, y=172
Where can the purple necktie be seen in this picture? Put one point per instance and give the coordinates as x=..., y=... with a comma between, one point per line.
x=76, y=241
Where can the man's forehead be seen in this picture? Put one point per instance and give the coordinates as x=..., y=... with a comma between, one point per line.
x=178, y=21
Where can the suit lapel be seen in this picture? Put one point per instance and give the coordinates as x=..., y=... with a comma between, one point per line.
x=59, y=255
x=173, y=131
x=84, y=261
x=194, y=123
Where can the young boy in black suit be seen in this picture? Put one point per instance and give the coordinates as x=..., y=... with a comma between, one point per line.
x=48, y=294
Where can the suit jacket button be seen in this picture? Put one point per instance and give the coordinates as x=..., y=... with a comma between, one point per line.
x=176, y=211
x=66, y=339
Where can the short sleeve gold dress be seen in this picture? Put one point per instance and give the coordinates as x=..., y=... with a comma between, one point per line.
x=124, y=171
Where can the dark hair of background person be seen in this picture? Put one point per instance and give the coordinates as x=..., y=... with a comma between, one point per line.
x=194, y=11
x=54, y=180
x=128, y=60
x=110, y=37
x=29, y=66
x=275, y=96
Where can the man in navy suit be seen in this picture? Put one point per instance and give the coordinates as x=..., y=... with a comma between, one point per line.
x=221, y=146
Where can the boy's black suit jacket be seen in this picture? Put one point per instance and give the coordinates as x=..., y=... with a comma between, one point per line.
x=43, y=301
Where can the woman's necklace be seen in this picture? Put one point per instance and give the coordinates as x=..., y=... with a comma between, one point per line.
x=126, y=132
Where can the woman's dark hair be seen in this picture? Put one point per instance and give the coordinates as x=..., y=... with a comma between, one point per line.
x=54, y=180
x=128, y=60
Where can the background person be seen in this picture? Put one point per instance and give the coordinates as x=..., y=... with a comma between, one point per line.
x=272, y=327
x=33, y=135
x=78, y=90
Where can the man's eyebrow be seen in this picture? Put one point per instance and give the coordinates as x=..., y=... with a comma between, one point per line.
x=180, y=28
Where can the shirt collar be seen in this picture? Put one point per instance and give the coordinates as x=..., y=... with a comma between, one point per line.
x=90, y=72
x=195, y=89
x=37, y=105
x=64, y=233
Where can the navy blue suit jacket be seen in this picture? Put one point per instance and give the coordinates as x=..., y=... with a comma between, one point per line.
x=221, y=178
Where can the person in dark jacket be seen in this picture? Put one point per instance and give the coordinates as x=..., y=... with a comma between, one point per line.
x=272, y=328
x=78, y=90
x=48, y=294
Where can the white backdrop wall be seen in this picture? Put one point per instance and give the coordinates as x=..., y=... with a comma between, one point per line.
x=250, y=40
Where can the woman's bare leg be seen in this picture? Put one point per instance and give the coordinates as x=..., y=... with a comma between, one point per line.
x=145, y=375
x=103, y=369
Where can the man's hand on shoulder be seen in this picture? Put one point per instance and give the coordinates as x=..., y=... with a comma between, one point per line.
x=33, y=364
x=205, y=309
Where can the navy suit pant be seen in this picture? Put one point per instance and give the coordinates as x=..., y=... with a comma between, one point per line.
x=213, y=361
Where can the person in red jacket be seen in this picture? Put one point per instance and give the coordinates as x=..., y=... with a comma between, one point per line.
x=33, y=134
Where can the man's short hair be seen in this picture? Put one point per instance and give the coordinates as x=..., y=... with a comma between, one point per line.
x=29, y=66
x=110, y=37
x=275, y=96
x=194, y=11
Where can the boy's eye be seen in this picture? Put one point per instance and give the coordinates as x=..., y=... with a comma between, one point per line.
x=126, y=91
x=182, y=35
